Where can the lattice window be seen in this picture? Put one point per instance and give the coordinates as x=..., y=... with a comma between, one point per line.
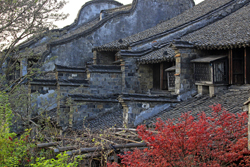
x=202, y=72
x=171, y=79
x=220, y=72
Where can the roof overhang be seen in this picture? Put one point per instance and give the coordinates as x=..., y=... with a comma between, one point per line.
x=208, y=59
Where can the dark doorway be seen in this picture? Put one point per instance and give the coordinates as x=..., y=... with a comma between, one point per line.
x=160, y=81
x=238, y=66
x=156, y=76
x=247, y=57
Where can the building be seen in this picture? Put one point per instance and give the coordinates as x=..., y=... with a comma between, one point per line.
x=128, y=65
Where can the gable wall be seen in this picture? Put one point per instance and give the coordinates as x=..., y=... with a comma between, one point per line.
x=79, y=51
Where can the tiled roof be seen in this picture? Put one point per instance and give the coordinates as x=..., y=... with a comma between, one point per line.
x=89, y=25
x=108, y=120
x=231, y=99
x=29, y=42
x=79, y=30
x=197, y=11
x=113, y=10
x=70, y=35
x=230, y=32
x=162, y=54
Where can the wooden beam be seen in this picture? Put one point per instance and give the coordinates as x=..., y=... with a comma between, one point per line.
x=125, y=129
x=95, y=149
x=43, y=145
x=161, y=76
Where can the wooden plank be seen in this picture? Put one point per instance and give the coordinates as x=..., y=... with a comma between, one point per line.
x=125, y=129
x=62, y=149
x=43, y=145
x=96, y=149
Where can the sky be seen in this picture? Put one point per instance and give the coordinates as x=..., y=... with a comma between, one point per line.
x=73, y=6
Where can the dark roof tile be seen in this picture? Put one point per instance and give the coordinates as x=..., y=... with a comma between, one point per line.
x=230, y=32
x=231, y=99
x=197, y=11
x=162, y=54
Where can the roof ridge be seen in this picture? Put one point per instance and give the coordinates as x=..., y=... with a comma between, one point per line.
x=187, y=23
x=96, y=26
x=168, y=31
x=72, y=25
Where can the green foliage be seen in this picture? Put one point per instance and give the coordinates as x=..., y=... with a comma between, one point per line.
x=14, y=151
x=62, y=161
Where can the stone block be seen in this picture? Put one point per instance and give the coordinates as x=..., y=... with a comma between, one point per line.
x=203, y=89
x=213, y=89
x=100, y=106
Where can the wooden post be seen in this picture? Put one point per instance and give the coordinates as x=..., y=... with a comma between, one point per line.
x=71, y=116
x=248, y=103
x=161, y=76
x=231, y=66
x=58, y=99
x=245, y=65
x=94, y=57
x=248, y=125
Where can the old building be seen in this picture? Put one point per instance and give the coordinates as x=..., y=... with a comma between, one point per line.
x=66, y=58
x=118, y=66
x=203, y=50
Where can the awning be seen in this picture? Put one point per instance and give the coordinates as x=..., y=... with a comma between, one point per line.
x=171, y=68
x=208, y=59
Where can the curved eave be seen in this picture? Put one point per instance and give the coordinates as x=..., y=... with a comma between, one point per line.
x=222, y=46
x=154, y=61
x=110, y=49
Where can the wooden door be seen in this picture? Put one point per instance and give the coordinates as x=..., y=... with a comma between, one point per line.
x=238, y=66
x=156, y=76
x=247, y=65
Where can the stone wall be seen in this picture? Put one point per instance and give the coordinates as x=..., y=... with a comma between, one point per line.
x=104, y=80
x=105, y=83
x=130, y=82
x=85, y=111
x=105, y=58
x=145, y=77
x=68, y=50
x=91, y=10
x=138, y=107
x=184, y=74
x=71, y=75
x=77, y=110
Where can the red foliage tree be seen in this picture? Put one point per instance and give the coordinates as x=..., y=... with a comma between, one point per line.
x=216, y=140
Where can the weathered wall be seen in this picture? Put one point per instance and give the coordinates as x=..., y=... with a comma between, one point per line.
x=116, y=27
x=105, y=58
x=42, y=89
x=145, y=77
x=85, y=111
x=184, y=79
x=91, y=10
x=102, y=83
x=71, y=75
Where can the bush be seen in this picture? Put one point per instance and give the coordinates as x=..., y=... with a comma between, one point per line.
x=216, y=140
x=14, y=151
x=62, y=161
